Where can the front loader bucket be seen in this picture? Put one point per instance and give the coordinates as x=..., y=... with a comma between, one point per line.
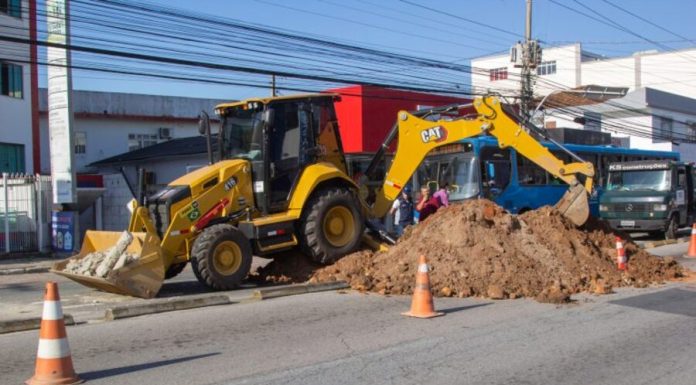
x=142, y=277
x=574, y=205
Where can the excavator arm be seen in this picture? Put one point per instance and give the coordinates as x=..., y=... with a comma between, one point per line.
x=417, y=137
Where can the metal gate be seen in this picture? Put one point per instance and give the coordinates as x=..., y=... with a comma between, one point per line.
x=25, y=202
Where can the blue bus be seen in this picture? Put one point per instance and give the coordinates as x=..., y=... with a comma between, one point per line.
x=477, y=167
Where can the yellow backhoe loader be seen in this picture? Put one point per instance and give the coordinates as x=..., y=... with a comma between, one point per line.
x=280, y=182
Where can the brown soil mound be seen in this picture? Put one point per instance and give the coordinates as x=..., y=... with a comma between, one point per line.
x=476, y=249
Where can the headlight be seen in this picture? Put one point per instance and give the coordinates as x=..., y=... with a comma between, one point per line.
x=659, y=207
x=603, y=208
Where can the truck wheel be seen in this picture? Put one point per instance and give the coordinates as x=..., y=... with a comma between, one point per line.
x=174, y=270
x=221, y=257
x=331, y=225
x=672, y=228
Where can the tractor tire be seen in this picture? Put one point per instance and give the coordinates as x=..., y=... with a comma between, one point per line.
x=672, y=228
x=174, y=270
x=221, y=257
x=331, y=225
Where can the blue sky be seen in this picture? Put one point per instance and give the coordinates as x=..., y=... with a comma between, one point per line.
x=401, y=27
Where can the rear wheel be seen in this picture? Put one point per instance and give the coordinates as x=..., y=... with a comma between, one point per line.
x=672, y=228
x=331, y=226
x=221, y=257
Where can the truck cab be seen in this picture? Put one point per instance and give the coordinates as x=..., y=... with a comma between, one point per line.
x=649, y=196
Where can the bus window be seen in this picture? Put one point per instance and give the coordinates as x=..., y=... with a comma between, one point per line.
x=594, y=159
x=529, y=173
x=495, y=171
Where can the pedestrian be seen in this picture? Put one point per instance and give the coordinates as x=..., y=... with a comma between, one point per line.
x=442, y=195
x=402, y=210
x=427, y=204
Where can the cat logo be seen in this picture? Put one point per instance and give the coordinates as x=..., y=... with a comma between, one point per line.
x=434, y=134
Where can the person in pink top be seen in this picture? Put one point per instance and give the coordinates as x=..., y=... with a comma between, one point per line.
x=441, y=195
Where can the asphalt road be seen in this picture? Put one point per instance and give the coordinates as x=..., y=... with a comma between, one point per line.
x=634, y=337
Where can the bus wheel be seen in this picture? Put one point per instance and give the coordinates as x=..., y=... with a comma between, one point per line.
x=672, y=227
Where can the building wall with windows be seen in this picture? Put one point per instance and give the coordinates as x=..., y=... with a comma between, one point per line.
x=15, y=89
x=108, y=124
x=662, y=84
x=666, y=71
x=558, y=69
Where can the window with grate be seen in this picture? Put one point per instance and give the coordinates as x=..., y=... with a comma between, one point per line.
x=498, y=73
x=80, y=142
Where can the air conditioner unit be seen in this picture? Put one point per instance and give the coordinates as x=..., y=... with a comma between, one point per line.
x=516, y=55
x=165, y=133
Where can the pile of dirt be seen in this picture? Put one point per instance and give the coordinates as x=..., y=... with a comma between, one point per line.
x=477, y=249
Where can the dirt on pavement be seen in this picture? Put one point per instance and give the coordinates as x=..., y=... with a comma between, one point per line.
x=477, y=249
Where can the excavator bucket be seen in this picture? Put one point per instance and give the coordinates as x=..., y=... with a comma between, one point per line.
x=140, y=277
x=574, y=205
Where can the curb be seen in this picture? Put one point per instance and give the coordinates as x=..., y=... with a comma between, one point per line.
x=18, y=325
x=25, y=270
x=276, y=292
x=653, y=244
x=161, y=306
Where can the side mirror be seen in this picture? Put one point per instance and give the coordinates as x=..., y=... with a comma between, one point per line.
x=203, y=123
x=268, y=116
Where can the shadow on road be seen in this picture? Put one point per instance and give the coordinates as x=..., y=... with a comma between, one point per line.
x=461, y=308
x=97, y=374
x=674, y=301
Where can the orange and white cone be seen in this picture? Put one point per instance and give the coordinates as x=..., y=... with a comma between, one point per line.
x=422, y=301
x=53, y=360
x=692, y=244
x=620, y=254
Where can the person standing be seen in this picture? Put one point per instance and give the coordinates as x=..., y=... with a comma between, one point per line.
x=442, y=195
x=427, y=204
x=402, y=210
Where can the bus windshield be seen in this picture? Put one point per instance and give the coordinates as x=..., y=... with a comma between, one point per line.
x=655, y=180
x=459, y=174
x=242, y=131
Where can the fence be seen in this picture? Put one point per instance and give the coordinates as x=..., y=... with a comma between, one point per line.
x=25, y=210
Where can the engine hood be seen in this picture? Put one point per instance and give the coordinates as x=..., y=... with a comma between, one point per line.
x=208, y=176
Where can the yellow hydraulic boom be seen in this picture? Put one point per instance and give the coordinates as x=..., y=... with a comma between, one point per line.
x=417, y=137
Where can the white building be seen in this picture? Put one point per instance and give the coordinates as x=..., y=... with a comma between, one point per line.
x=108, y=123
x=16, y=85
x=661, y=85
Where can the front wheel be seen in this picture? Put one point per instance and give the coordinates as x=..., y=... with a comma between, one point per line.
x=672, y=228
x=221, y=257
x=331, y=225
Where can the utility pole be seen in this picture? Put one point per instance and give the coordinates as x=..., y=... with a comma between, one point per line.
x=273, y=86
x=527, y=55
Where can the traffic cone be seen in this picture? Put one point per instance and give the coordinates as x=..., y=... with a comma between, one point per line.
x=422, y=301
x=53, y=361
x=692, y=244
x=620, y=254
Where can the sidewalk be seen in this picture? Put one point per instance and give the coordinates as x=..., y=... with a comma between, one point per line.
x=28, y=264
